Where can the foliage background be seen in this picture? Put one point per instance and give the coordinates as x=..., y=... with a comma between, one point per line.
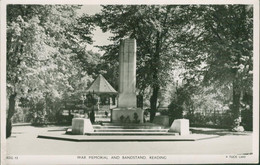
x=196, y=59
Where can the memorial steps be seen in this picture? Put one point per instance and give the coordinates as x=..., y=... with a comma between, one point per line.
x=130, y=129
x=137, y=125
x=113, y=132
x=114, y=129
x=125, y=132
x=131, y=133
x=120, y=138
x=108, y=128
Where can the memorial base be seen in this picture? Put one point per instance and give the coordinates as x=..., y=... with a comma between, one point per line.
x=127, y=115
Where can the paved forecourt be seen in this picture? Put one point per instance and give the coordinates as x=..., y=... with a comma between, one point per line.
x=24, y=141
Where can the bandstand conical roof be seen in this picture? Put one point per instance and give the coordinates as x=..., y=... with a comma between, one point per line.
x=100, y=85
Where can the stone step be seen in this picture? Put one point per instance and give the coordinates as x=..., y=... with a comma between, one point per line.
x=129, y=124
x=133, y=125
x=101, y=112
x=102, y=119
x=132, y=133
x=80, y=138
x=125, y=132
x=131, y=130
x=127, y=127
x=101, y=116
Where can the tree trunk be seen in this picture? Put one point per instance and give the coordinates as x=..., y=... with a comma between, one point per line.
x=153, y=102
x=236, y=100
x=10, y=114
x=155, y=85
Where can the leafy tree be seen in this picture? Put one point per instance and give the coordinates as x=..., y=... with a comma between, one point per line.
x=216, y=45
x=214, y=42
x=40, y=53
x=152, y=26
x=109, y=64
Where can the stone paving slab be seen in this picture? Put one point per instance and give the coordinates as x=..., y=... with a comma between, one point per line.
x=118, y=138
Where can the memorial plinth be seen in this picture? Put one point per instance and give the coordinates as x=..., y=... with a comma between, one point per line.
x=122, y=115
x=127, y=82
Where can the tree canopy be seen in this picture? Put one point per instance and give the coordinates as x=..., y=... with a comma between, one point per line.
x=216, y=45
x=212, y=42
x=152, y=26
x=43, y=59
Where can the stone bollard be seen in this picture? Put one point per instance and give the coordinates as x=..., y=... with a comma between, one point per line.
x=80, y=126
x=181, y=126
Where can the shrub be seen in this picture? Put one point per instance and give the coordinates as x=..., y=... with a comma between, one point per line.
x=175, y=111
x=164, y=112
x=220, y=120
x=146, y=112
x=136, y=118
x=122, y=118
x=247, y=119
x=226, y=119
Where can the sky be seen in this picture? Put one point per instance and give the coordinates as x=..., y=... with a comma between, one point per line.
x=99, y=38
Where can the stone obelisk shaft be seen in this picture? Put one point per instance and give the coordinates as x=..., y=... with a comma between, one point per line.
x=127, y=73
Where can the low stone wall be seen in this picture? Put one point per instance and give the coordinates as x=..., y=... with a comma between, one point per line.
x=124, y=115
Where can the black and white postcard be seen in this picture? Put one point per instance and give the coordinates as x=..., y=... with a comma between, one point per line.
x=129, y=82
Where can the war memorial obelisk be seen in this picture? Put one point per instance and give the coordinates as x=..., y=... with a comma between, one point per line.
x=127, y=85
